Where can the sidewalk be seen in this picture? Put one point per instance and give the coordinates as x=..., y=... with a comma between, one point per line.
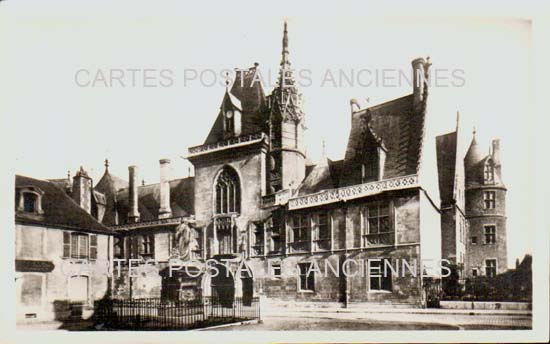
x=279, y=311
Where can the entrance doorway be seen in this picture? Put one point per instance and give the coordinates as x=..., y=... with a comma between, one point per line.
x=248, y=290
x=223, y=287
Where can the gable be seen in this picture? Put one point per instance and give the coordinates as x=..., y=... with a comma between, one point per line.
x=248, y=95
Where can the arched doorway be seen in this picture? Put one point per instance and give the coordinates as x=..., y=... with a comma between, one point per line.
x=248, y=290
x=223, y=286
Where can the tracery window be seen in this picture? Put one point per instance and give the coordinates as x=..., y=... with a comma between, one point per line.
x=228, y=192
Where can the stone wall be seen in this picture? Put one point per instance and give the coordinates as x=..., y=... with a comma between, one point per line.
x=347, y=231
x=249, y=165
x=479, y=217
x=58, y=286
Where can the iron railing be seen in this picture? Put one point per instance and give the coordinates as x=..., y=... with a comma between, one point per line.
x=159, y=314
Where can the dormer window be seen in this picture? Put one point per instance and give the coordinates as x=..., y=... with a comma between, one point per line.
x=29, y=200
x=230, y=121
x=372, y=169
x=489, y=173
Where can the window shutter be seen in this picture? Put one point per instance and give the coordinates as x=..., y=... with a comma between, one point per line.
x=66, y=245
x=74, y=246
x=93, y=246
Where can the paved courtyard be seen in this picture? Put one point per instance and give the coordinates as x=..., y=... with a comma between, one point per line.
x=300, y=319
x=360, y=321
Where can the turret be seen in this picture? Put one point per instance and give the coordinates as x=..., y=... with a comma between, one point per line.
x=287, y=158
x=472, y=158
x=485, y=211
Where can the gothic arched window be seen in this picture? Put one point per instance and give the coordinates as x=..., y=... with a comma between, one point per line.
x=228, y=192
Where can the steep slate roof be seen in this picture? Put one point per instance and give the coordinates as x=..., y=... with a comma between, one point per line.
x=249, y=94
x=395, y=126
x=110, y=182
x=474, y=154
x=317, y=180
x=446, y=149
x=63, y=183
x=60, y=211
x=109, y=185
x=181, y=200
x=321, y=177
x=474, y=164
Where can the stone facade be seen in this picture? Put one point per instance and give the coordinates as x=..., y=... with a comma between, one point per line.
x=62, y=255
x=256, y=202
x=473, y=219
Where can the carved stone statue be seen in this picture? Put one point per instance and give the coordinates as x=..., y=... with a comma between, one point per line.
x=186, y=241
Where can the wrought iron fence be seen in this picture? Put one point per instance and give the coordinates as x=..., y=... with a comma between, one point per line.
x=158, y=314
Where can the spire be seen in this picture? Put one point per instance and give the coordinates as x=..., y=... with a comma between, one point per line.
x=288, y=98
x=474, y=154
x=323, y=161
x=106, y=164
x=284, y=59
x=286, y=79
x=457, y=119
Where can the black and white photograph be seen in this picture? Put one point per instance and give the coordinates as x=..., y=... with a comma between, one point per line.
x=175, y=173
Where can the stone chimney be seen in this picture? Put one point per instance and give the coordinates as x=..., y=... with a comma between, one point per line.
x=82, y=190
x=133, y=213
x=420, y=69
x=164, y=210
x=496, y=152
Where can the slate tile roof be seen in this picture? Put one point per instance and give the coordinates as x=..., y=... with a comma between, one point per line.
x=400, y=130
x=474, y=154
x=181, y=200
x=109, y=185
x=60, y=210
x=446, y=149
x=318, y=179
x=249, y=94
x=394, y=125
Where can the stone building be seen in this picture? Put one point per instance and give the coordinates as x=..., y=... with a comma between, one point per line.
x=485, y=211
x=259, y=203
x=150, y=222
x=275, y=225
x=454, y=226
x=61, y=250
x=473, y=201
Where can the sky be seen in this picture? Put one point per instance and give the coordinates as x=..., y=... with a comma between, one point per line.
x=59, y=125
